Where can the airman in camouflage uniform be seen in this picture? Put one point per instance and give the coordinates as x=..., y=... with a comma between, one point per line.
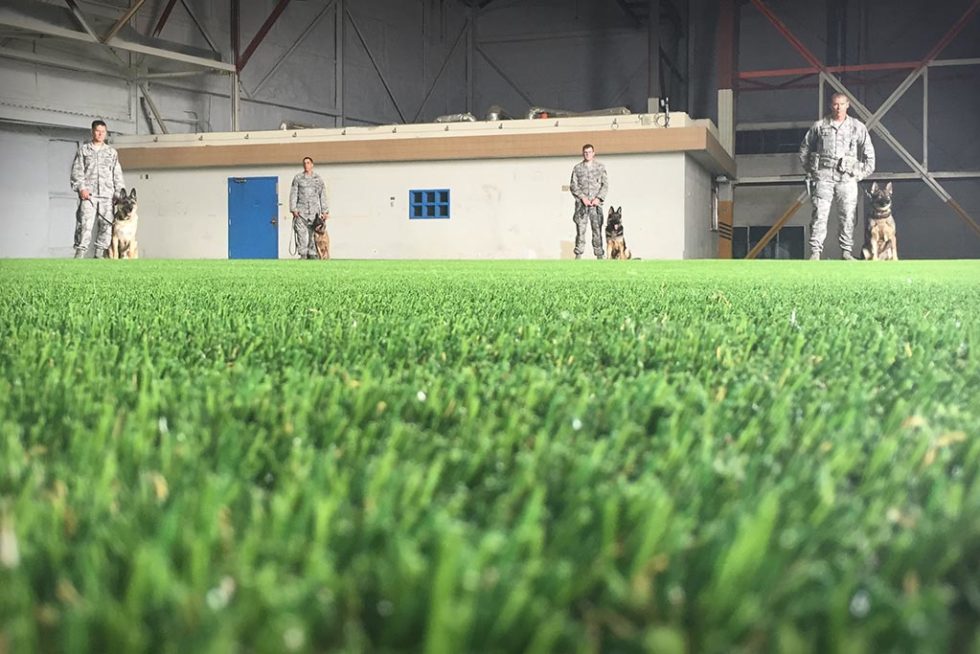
x=307, y=200
x=589, y=186
x=836, y=154
x=96, y=176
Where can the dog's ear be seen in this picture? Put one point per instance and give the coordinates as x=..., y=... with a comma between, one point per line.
x=874, y=187
x=620, y=210
x=132, y=193
x=888, y=188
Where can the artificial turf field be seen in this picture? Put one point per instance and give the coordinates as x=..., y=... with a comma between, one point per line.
x=501, y=456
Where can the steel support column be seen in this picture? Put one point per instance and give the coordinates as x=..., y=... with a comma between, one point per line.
x=236, y=30
x=338, y=64
x=925, y=118
x=654, y=82
x=471, y=58
x=236, y=98
x=727, y=58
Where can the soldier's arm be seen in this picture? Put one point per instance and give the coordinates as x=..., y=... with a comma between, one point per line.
x=324, y=208
x=574, y=187
x=866, y=156
x=806, y=147
x=293, y=194
x=77, y=172
x=117, y=176
x=603, y=184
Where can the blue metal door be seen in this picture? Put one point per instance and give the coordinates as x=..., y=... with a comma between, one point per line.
x=253, y=218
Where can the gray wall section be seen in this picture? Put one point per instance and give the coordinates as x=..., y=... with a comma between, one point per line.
x=577, y=55
x=39, y=217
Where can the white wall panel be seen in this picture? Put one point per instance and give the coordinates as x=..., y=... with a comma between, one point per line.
x=505, y=208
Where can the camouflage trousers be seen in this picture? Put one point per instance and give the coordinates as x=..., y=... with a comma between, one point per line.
x=93, y=216
x=584, y=216
x=826, y=189
x=303, y=233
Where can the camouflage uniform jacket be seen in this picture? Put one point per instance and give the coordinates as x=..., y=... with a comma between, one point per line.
x=589, y=181
x=97, y=170
x=844, y=148
x=308, y=195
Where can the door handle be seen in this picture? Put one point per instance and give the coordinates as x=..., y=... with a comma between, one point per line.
x=274, y=221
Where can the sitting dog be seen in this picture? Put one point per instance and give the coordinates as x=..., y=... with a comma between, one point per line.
x=320, y=237
x=880, y=241
x=615, y=242
x=125, y=220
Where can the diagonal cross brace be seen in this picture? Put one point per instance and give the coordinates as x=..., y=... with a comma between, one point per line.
x=260, y=35
x=377, y=68
x=873, y=119
x=146, y=93
x=445, y=62
x=292, y=48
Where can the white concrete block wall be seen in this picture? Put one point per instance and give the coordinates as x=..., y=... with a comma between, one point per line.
x=38, y=218
x=504, y=208
x=700, y=242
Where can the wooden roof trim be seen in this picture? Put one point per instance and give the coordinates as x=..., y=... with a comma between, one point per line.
x=697, y=141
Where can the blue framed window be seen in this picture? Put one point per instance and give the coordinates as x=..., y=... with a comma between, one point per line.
x=428, y=204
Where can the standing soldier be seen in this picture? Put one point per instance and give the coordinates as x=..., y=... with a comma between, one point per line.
x=96, y=176
x=836, y=154
x=589, y=187
x=307, y=200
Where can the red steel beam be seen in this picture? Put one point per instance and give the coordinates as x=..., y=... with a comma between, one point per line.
x=164, y=17
x=810, y=70
x=788, y=35
x=807, y=81
x=951, y=34
x=260, y=35
x=820, y=67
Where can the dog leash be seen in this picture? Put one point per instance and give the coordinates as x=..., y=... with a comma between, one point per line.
x=292, y=242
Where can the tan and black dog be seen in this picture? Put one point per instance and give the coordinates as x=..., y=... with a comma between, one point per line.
x=125, y=220
x=615, y=241
x=880, y=241
x=320, y=237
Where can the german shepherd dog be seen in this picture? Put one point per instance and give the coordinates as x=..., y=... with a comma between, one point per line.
x=880, y=242
x=320, y=237
x=125, y=220
x=615, y=241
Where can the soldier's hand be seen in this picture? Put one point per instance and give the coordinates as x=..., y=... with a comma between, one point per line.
x=326, y=215
x=295, y=214
x=83, y=193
